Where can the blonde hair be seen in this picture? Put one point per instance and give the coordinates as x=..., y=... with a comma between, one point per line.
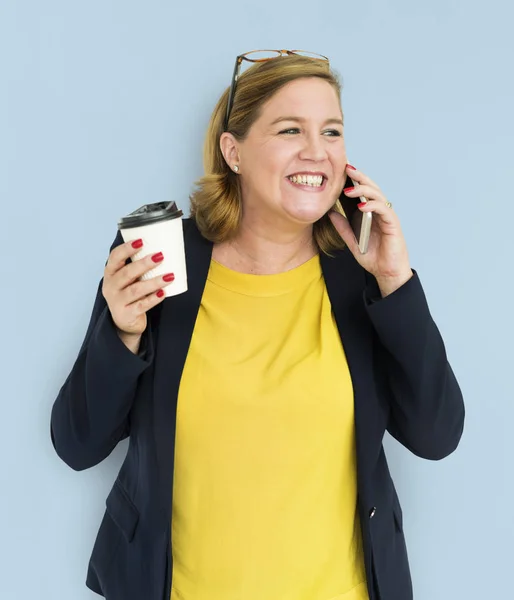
x=216, y=203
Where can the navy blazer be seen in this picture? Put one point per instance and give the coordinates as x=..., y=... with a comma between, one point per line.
x=402, y=383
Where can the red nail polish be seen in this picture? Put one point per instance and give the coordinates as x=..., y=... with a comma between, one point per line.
x=351, y=167
x=169, y=277
x=160, y=293
x=348, y=189
x=137, y=244
x=361, y=204
x=158, y=257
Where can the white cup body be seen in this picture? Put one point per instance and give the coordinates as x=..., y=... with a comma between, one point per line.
x=167, y=237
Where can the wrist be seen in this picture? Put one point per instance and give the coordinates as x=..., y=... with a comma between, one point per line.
x=131, y=340
x=388, y=285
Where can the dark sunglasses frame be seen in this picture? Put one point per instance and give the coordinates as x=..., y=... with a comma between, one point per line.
x=245, y=56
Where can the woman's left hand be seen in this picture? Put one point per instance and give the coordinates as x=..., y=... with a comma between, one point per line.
x=387, y=258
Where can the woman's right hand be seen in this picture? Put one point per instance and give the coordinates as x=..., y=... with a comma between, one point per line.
x=127, y=298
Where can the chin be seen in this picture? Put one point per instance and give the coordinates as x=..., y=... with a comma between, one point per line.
x=309, y=215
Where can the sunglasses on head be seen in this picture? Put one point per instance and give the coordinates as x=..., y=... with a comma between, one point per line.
x=256, y=56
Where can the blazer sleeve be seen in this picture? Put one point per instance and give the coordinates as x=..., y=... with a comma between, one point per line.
x=427, y=408
x=91, y=412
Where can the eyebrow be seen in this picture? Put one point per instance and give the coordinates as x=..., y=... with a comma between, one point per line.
x=302, y=120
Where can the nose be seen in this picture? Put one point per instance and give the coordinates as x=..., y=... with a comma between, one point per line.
x=314, y=148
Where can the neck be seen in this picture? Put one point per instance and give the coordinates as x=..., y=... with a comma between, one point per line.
x=265, y=251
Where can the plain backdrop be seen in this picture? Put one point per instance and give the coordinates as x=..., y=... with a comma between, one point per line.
x=103, y=107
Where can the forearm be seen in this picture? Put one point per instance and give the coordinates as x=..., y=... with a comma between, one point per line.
x=427, y=409
x=90, y=414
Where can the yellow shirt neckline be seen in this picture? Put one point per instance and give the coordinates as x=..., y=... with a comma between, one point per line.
x=277, y=284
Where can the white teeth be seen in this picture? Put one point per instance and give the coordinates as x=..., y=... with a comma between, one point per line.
x=313, y=180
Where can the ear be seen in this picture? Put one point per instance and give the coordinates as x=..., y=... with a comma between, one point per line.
x=230, y=149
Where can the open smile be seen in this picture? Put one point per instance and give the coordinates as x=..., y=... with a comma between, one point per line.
x=309, y=188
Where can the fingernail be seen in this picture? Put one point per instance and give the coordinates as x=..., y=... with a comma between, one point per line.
x=349, y=166
x=160, y=293
x=158, y=257
x=137, y=243
x=348, y=189
x=361, y=204
x=168, y=277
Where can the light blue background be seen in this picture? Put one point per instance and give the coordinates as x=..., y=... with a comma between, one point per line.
x=103, y=107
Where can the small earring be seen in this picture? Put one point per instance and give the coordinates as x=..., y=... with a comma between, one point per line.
x=236, y=168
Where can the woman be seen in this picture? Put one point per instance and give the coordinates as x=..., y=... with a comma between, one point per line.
x=256, y=402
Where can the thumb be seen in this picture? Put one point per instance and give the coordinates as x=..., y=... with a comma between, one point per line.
x=344, y=229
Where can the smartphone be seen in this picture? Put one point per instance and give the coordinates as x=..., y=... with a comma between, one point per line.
x=359, y=222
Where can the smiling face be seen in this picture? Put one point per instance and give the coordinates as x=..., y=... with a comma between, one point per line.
x=299, y=132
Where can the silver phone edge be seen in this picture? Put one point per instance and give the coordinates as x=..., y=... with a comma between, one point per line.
x=365, y=231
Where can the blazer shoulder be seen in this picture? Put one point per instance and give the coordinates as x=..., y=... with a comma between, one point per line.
x=341, y=264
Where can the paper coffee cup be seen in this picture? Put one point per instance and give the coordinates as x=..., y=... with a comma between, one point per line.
x=159, y=225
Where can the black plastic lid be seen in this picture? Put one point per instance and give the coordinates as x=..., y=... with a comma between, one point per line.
x=150, y=213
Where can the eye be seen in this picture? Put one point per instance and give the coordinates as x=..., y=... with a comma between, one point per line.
x=295, y=129
x=334, y=132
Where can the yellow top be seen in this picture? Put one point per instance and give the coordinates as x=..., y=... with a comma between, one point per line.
x=265, y=490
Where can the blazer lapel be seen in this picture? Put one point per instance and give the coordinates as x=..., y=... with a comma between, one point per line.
x=177, y=321
x=345, y=281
